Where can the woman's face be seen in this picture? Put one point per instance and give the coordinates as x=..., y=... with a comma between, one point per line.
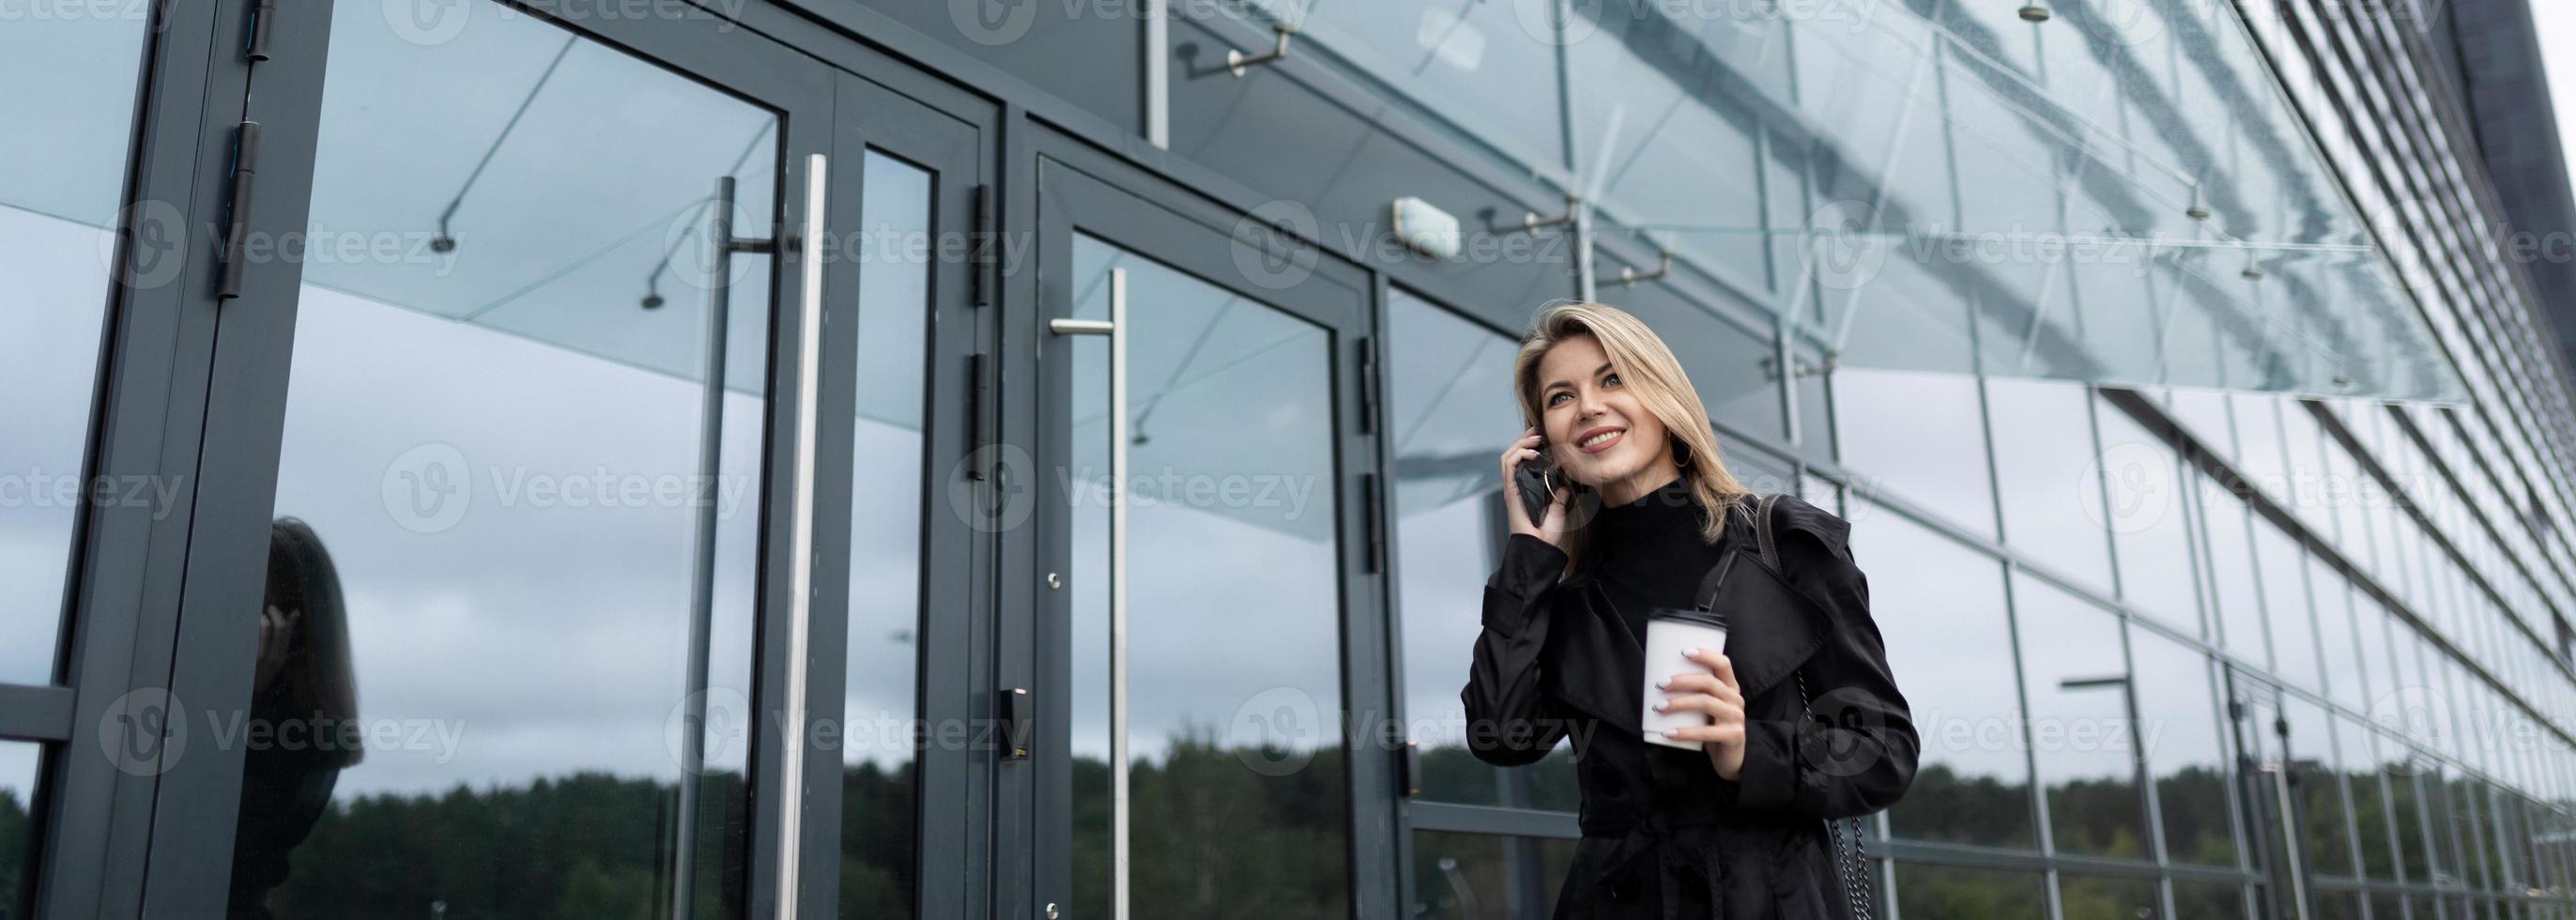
x=1595, y=427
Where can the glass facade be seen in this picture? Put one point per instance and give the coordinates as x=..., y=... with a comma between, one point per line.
x=2211, y=494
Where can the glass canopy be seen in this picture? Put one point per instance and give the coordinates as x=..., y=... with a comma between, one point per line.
x=2120, y=194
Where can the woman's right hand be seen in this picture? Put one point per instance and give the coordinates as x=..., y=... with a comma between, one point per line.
x=1552, y=529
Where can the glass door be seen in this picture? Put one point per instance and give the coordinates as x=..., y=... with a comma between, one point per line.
x=2269, y=780
x=510, y=577
x=1204, y=504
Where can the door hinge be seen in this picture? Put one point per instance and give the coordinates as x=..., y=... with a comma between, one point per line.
x=1373, y=508
x=255, y=43
x=985, y=266
x=979, y=416
x=1368, y=385
x=237, y=209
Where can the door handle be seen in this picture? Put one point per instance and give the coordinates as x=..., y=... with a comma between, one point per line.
x=1116, y=329
x=800, y=567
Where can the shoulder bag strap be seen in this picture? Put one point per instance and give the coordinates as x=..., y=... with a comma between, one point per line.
x=1851, y=858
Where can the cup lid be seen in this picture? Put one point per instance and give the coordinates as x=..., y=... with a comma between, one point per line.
x=1693, y=617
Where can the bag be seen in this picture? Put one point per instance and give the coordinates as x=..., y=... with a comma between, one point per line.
x=1851, y=856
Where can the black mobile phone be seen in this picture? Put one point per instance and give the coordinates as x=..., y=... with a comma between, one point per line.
x=1539, y=479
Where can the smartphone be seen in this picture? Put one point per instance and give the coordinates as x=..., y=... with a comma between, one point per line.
x=1539, y=479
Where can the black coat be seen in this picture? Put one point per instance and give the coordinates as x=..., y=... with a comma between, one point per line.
x=1663, y=834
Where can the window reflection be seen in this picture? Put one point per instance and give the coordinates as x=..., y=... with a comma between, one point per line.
x=1921, y=436
x=2234, y=592
x=1928, y=892
x=2150, y=521
x=2358, y=751
x=878, y=772
x=1940, y=607
x=2095, y=897
x=2280, y=565
x=1483, y=876
x=18, y=807
x=1450, y=413
x=538, y=487
x=2326, y=831
x=2051, y=475
x=2208, y=901
x=1237, y=760
x=61, y=185
x=2186, y=749
x=2077, y=680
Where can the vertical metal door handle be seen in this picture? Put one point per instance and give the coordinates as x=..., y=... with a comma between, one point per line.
x=1116, y=330
x=800, y=566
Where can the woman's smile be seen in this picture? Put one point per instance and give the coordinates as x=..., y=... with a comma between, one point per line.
x=1600, y=439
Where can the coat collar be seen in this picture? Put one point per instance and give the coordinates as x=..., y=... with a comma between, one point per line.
x=1599, y=664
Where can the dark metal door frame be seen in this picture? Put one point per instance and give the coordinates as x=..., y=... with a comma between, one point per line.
x=1077, y=189
x=197, y=395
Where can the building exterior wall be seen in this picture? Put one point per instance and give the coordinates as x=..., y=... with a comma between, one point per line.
x=2121, y=608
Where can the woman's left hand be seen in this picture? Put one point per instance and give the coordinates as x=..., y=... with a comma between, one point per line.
x=1713, y=692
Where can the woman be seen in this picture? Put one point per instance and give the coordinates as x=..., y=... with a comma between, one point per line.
x=1734, y=828
x=303, y=692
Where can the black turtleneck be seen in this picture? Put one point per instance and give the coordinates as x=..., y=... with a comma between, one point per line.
x=1648, y=553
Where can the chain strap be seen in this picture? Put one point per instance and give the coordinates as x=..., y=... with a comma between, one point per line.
x=1851, y=854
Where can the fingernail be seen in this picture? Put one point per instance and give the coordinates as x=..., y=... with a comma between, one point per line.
x=1659, y=707
x=1672, y=733
x=1690, y=652
x=1664, y=684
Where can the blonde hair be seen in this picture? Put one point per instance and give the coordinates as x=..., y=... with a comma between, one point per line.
x=1655, y=378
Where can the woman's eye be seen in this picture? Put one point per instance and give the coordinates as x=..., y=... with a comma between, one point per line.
x=1610, y=381
x=1556, y=397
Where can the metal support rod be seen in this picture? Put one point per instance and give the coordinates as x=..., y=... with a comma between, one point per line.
x=693, y=719
x=1236, y=61
x=1119, y=772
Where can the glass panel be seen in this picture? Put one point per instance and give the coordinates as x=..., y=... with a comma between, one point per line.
x=2150, y=521
x=61, y=186
x=2326, y=830
x=2281, y=566
x=878, y=767
x=2337, y=651
x=1237, y=792
x=1484, y=876
x=2186, y=749
x=18, y=766
x=1921, y=436
x=1927, y=892
x=2208, y=901
x=2078, y=684
x=1450, y=412
x=1941, y=609
x=1483, y=71
x=2094, y=897
x=2233, y=592
x=495, y=465
x=2051, y=475
x=2358, y=747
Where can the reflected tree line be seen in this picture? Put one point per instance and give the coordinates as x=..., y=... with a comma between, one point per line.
x=1225, y=831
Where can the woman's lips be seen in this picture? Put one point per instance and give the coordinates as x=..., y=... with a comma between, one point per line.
x=1605, y=444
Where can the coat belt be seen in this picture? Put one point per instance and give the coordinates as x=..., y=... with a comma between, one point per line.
x=1640, y=831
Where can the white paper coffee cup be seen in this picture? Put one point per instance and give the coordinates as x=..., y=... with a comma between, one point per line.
x=1668, y=634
